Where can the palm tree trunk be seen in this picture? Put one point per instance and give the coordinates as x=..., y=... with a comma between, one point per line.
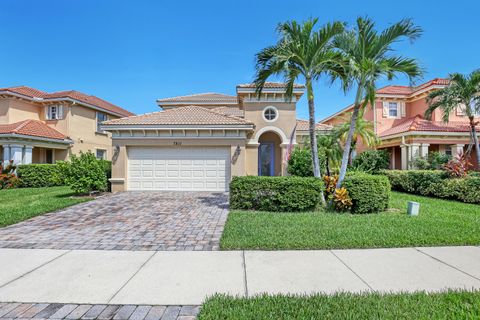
x=313, y=135
x=348, y=143
x=475, y=141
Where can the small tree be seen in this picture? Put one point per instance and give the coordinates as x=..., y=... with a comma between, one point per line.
x=84, y=173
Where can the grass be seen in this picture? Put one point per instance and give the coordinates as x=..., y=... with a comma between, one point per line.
x=447, y=305
x=24, y=203
x=441, y=222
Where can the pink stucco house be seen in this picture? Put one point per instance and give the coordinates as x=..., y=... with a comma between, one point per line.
x=398, y=118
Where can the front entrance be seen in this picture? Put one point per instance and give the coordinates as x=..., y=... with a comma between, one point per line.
x=266, y=159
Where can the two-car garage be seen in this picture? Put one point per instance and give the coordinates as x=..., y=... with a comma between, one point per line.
x=178, y=168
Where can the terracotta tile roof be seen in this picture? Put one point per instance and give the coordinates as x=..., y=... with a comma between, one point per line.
x=417, y=123
x=32, y=128
x=75, y=95
x=230, y=111
x=406, y=90
x=189, y=115
x=302, y=125
x=270, y=85
x=202, y=97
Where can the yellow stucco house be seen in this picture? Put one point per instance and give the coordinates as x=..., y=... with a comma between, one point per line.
x=198, y=142
x=41, y=127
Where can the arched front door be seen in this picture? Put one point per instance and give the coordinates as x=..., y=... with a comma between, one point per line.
x=266, y=159
x=269, y=154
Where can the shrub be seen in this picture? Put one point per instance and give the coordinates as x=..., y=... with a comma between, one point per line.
x=371, y=161
x=40, y=175
x=342, y=200
x=8, y=179
x=275, y=193
x=458, y=166
x=300, y=163
x=107, y=168
x=369, y=193
x=84, y=173
x=435, y=183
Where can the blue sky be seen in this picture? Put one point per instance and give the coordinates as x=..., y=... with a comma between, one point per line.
x=133, y=52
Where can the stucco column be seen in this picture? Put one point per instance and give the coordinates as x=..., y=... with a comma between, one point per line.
x=27, y=157
x=283, y=152
x=6, y=154
x=424, y=150
x=404, y=155
x=16, y=154
x=457, y=149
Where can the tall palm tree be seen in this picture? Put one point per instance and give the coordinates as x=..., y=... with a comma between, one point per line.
x=364, y=131
x=369, y=57
x=462, y=92
x=301, y=52
x=330, y=149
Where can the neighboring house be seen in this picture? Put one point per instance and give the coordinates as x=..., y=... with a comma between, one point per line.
x=41, y=127
x=198, y=142
x=398, y=119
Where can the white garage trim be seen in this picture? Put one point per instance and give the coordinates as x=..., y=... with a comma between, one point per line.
x=178, y=169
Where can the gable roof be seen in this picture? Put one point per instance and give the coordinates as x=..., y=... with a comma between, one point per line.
x=33, y=128
x=230, y=111
x=417, y=123
x=188, y=115
x=303, y=125
x=410, y=90
x=80, y=97
x=270, y=85
x=209, y=97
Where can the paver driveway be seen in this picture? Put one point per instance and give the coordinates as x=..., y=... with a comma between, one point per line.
x=127, y=221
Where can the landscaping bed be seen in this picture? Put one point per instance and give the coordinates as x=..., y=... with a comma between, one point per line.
x=440, y=223
x=448, y=305
x=21, y=204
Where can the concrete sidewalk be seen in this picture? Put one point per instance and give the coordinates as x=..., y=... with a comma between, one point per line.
x=186, y=278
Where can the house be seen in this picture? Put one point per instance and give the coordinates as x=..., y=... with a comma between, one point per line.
x=198, y=142
x=41, y=127
x=398, y=119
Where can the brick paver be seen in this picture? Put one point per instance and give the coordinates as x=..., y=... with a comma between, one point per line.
x=73, y=311
x=127, y=221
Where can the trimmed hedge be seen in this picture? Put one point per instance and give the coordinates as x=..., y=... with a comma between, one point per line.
x=369, y=193
x=40, y=175
x=275, y=193
x=435, y=183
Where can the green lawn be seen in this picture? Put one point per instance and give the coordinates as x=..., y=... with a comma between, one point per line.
x=449, y=305
x=20, y=204
x=440, y=222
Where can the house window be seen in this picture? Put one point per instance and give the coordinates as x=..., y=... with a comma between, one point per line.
x=101, y=154
x=54, y=112
x=100, y=118
x=270, y=114
x=393, y=109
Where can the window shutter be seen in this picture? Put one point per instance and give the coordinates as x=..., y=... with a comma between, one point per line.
x=403, y=111
x=460, y=111
x=385, y=109
x=60, y=111
x=47, y=112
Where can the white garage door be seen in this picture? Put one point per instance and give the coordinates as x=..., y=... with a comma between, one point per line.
x=181, y=169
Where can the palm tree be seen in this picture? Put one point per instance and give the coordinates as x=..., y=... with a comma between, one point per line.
x=301, y=51
x=368, y=55
x=462, y=92
x=364, y=131
x=330, y=150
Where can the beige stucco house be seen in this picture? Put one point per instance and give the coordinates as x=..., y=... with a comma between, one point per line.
x=41, y=127
x=198, y=142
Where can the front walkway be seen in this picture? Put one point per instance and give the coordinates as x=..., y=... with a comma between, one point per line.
x=187, y=277
x=127, y=221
